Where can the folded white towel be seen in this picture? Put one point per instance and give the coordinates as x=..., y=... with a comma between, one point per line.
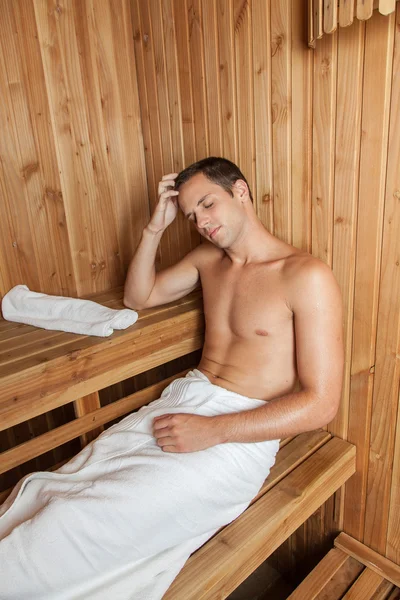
x=64, y=314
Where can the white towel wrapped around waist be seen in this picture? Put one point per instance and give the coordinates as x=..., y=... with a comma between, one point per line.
x=120, y=519
x=60, y=313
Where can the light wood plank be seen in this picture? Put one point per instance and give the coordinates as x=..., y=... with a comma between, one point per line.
x=364, y=9
x=389, y=349
x=212, y=77
x=323, y=160
x=379, y=57
x=82, y=407
x=384, y=591
x=227, y=75
x=374, y=138
x=342, y=580
x=263, y=192
x=197, y=52
x=365, y=586
x=346, y=12
x=387, y=6
x=301, y=131
x=281, y=116
x=244, y=89
x=371, y=559
x=330, y=16
x=320, y=576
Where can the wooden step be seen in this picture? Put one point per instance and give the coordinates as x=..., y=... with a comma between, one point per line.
x=351, y=571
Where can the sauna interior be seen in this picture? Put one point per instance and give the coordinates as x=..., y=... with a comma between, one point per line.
x=101, y=98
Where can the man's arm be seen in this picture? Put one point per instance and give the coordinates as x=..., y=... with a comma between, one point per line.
x=144, y=287
x=317, y=309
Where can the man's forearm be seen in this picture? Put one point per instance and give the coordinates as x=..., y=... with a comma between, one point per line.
x=286, y=416
x=142, y=273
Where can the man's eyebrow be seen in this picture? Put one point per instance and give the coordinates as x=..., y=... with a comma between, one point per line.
x=199, y=202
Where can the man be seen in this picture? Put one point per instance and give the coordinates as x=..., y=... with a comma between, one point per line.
x=121, y=518
x=273, y=312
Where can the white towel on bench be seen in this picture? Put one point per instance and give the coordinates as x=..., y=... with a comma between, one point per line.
x=120, y=519
x=64, y=314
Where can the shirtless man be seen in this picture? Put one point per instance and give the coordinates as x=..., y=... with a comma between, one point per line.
x=273, y=312
x=120, y=519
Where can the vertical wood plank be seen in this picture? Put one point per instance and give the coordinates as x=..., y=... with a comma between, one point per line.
x=212, y=78
x=198, y=78
x=84, y=406
x=282, y=117
x=227, y=76
x=301, y=130
x=324, y=116
x=387, y=378
x=244, y=90
x=376, y=93
x=347, y=156
x=263, y=192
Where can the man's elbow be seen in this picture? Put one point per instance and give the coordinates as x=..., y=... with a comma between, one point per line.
x=129, y=303
x=329, y=410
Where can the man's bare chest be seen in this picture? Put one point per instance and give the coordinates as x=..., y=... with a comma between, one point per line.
x=248, y=303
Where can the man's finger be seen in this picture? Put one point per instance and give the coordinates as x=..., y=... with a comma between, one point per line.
x=169, y=176
x=169, y=449
x=165, y=441
x=162, y=423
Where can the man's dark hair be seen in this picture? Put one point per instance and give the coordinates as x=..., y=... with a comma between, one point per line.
x=218, y=170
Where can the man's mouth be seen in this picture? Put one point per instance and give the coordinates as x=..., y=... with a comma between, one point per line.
x=214, y=231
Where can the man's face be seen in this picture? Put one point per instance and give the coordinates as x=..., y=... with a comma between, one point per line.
x=216, y=215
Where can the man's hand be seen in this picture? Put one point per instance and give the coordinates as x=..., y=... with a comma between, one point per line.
x=183, y=432
x=167, y=207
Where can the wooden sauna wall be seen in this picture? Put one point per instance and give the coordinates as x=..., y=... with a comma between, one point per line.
x=99, y=98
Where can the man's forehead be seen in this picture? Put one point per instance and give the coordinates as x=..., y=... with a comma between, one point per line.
x=195, y=191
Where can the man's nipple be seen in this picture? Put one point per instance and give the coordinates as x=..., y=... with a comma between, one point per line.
x=261, y=332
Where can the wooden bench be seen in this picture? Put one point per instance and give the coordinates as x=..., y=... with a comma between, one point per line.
x=349, y=571
x=41, y=370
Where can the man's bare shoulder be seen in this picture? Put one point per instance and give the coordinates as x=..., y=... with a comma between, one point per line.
x=205, y=254
x=308, y=278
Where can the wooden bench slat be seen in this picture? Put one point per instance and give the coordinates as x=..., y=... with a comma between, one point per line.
x=316, y=581
x=365, y=586
x=22, y=338
x=292, y=454
x=371, y=559
x=32, y=345
x=383, y=592
x=217, y=568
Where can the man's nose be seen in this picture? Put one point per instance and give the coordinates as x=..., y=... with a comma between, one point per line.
x=203, y=221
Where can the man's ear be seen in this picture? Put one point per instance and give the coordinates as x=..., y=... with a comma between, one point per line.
x=241, y=189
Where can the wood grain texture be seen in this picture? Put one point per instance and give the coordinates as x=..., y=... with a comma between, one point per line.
x=231, y=555
x=101, y=98
x=373, y=164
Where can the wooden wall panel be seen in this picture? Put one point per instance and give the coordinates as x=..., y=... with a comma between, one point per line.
x=73, y=201
x=281, y=95
x=389, y=304
x=373, y=157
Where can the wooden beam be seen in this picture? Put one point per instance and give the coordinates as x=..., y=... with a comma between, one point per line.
x=371, y=559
